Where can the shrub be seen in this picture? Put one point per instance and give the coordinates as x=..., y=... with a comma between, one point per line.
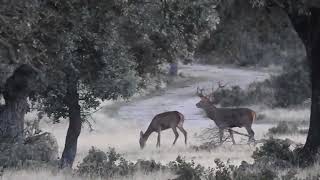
x=222, y=171
x=186, y=170
x=272, y=156
x=293, y=86
x=100, y=164
x=148, y=166
x=36, y=150
x=230, y=97
x=105, y=165
x=284, y=128
x=257, y=93
x=275, y=152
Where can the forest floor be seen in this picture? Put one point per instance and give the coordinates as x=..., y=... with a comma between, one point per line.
x=118, y=124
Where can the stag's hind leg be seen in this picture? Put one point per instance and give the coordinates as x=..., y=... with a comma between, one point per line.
x=231, y=135
x=251, y=134
x=184, y=132
x=176, y=135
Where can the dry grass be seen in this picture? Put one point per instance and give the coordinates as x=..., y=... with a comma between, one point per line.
x=44, y=174
x=124, y=136
x=121, y=129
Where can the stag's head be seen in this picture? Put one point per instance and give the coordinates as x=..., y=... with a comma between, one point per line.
x=142, y=140
x=208, y=100
x=205, y=101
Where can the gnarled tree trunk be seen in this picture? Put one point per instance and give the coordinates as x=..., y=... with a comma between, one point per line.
x=17, y=89
x=72, y=100
x=308, y=29
x=313, y=140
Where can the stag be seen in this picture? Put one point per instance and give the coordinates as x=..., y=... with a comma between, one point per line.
x=226, y=118
x=163, y=121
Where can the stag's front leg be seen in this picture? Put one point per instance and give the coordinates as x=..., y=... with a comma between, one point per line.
x=231, y=135
x=220, y=135
x=251, y=134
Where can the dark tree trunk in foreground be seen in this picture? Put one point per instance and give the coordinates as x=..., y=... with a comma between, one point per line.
x=17, y=89
x=313, y=140
x=70, y=148
x=308, y=28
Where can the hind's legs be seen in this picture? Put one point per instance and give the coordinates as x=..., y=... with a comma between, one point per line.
x=176, y=135
x=184, y=132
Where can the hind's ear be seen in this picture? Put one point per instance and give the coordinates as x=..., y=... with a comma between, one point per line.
x=141, y=133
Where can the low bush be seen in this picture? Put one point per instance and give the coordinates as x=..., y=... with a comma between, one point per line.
x=273, y=157
x=290, y=88
x=186, y=170
x=234, y=96
x=276, y=153
x=257, y=93
x=293, y=86
x=36, y=150
x=284, y=128
x=100, y=164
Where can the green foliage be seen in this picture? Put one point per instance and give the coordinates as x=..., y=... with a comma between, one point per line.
x=100, y=164
x=104, y=47
x=35, y=151
x=284, y=128
x=293, y=86
x=250, y=172
x=222, y=171
x=275, y=150
x=230, y=97
x=186, y=170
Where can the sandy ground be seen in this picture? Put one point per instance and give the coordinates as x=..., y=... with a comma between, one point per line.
x=118, y=123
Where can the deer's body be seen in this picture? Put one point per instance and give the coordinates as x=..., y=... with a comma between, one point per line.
x=227, y=118
x=163, y=121
x=231, y=117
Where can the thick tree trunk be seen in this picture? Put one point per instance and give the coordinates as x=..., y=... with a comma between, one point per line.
x=17, y=89
x=308, y=29
x=313, y=140
x=70, y=149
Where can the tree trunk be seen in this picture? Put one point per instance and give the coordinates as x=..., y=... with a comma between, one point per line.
x=17, y=89
x=72, y=101
x=313, y=50
x=308, y=29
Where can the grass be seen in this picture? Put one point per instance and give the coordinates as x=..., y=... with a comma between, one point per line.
x=45, y=174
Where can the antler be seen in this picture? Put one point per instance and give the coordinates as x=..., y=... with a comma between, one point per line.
x=220, y=86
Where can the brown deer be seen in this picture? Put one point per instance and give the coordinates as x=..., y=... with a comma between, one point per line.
x=163, y=121
x=227, y=118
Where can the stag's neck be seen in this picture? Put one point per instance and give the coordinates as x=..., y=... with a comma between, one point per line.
x=211, y=111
